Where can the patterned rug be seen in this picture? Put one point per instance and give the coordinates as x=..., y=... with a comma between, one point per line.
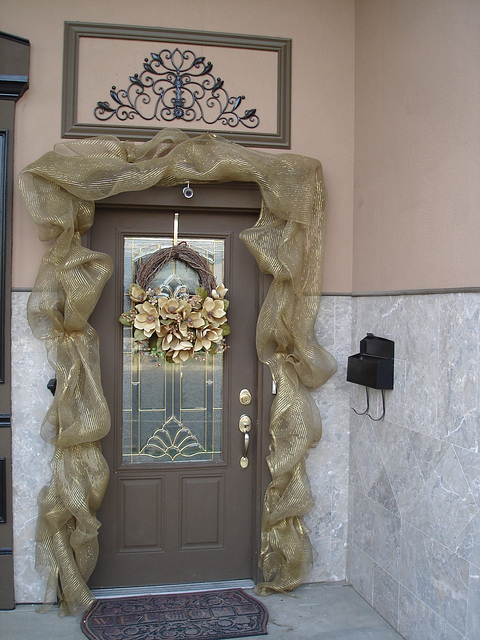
x=210, y=615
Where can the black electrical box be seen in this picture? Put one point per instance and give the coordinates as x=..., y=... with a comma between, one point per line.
x=373, y=366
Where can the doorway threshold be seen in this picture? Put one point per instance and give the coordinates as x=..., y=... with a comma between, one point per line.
x=153, y=590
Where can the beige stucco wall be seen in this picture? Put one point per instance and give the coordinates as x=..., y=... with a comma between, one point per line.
x=415, y=218
x=417, y=145
x=322, y=36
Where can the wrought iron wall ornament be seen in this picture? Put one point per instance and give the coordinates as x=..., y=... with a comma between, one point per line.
x=176, y=85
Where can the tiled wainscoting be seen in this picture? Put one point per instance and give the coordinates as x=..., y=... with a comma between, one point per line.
x=328, y=463
x=414, y=499
x=31, y=455
x=408, y=486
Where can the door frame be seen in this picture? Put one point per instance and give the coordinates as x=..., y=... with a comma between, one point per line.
x=223, y=198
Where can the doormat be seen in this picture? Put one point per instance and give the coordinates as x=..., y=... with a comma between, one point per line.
x=210, y=615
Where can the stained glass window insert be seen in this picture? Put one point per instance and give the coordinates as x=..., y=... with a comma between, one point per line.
x=171, y=412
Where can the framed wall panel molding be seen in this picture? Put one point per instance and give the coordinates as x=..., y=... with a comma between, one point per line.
x=103, y=64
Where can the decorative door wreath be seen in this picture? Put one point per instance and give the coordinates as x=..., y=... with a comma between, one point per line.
x=183, y=326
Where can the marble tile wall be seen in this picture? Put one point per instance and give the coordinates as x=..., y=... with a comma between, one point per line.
x=327, y=464
x=409, y=485
x=414, y=500
x=31, y=455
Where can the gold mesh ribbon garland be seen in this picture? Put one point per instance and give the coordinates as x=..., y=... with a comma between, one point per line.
x=287, y=241
x=66, y=291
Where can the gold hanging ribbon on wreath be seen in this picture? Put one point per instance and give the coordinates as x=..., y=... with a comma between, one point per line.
x=183, y=326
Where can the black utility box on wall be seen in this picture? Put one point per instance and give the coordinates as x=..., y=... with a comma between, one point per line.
x=373, y=366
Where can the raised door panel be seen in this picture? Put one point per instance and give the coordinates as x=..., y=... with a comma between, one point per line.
x=202, y=501
x=142, y=517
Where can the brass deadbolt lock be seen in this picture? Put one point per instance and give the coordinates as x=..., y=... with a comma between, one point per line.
x=245, y=396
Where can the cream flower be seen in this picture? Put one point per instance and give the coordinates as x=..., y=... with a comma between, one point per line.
x=162, y=330
x=147, y=319
x=161, y=302
x=182, y=351
x=219, y=292
x=214, y=311
x=206, y=337
x=169, y=340
x=182, y=330
x=173, y=308
x=136, y=293
x=193, y=320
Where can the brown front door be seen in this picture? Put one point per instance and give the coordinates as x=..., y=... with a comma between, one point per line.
x=180, y=508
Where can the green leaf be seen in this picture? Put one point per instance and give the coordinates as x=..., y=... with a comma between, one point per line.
x=226, y=329
x=202, y=292
x=226, y=304
x=139, y=336
x=125, y=320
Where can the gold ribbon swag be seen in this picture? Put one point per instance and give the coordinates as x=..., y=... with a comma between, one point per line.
x=60, y=190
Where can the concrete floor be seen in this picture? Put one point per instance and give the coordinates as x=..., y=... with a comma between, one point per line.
x=314, y=612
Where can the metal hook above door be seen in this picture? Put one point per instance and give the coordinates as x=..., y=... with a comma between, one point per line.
x=175, y=229
x=188, y=191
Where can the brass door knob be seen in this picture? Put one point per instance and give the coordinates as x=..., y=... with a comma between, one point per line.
x=245, y=423
x=246, y=444
x=245, y=396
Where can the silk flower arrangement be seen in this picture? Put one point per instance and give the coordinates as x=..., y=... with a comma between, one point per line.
x=176, y=328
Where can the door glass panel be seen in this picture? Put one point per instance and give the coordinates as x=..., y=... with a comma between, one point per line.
x=171, y=412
